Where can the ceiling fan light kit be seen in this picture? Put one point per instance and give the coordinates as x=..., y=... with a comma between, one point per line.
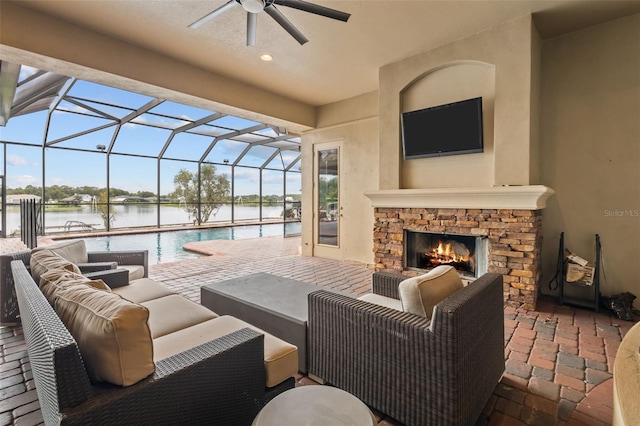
x=254, y=7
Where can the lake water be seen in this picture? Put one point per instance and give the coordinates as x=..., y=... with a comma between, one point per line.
x=138, y=215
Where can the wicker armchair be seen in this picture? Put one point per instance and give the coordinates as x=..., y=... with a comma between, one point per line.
x=419, y=371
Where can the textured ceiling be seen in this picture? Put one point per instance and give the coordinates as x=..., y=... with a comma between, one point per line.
x=341, y=60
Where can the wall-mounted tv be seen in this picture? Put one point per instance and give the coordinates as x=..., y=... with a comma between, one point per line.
x=449, y=129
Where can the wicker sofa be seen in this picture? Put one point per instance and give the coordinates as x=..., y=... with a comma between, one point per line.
x=420, y=371
x=196, y=367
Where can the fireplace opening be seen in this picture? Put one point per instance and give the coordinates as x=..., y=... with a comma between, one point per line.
x=426, y=250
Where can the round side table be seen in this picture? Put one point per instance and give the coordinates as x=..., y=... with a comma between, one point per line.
x=315, y=405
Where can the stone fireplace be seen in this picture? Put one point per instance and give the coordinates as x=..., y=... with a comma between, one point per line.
x=505, y=220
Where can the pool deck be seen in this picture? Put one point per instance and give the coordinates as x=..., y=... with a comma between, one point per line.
x=559, y=360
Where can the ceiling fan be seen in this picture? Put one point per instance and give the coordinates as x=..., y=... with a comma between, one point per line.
x=253, y=7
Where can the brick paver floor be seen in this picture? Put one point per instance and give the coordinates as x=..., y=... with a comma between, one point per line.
x=558, y=359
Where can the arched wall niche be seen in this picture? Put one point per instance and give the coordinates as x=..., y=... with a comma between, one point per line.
x=452, y=82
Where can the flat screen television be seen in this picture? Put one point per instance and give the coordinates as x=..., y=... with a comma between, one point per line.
x=449, y=129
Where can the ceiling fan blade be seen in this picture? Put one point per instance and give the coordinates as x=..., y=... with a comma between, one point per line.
x=314, y=8
x=219, y=11
x=285, y=23
x=252, y=25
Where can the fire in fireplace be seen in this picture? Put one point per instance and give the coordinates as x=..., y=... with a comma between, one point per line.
x=450, y=252
x=425, y=250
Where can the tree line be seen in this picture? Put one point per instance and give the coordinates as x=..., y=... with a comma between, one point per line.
x=59, y=192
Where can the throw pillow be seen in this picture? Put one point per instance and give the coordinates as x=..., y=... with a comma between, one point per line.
x=420, y=294
x=74, y=251
x=57, y=279
x=44, y=260
x=112, y=334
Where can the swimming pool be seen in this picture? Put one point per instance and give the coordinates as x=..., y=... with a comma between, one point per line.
x=167, y=246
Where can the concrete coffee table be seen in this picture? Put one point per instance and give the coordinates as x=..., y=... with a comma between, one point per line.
x=315, y=405
x=274, y=304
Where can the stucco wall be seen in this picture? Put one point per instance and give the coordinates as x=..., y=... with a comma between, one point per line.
x=358, y=174
x=348, y=110
x=536, y=80
x=452, y=83
x=350, y=122
x=508, y=48
x=590, y=140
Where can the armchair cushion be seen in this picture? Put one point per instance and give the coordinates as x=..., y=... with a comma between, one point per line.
x=112, y=334
x=377, y=299
x=135, y=271
x=420, y=294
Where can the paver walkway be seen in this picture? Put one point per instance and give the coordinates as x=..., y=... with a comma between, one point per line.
x=559, y=360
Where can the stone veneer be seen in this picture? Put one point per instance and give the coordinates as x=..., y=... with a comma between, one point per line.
x=515, y=239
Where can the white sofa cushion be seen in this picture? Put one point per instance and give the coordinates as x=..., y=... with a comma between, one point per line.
x=420, y=294
x=112, y=334
x=280, y=357
x=143, y=290
x=174, y=312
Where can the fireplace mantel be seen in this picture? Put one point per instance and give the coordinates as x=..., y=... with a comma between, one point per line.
x=530, y=197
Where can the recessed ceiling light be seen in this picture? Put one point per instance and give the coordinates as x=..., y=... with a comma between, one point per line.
x=266, y=57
